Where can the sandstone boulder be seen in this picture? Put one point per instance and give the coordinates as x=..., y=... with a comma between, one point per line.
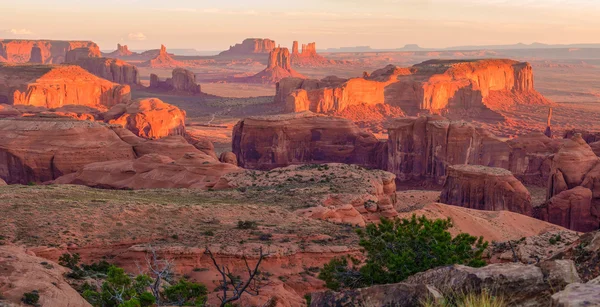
x=275, y=141
x=53, y=86
x=174, y=147
x=485, y=188
x=228, y=157
x=577, y=295
x=152, y=171
x=39, y=150
x=23, y=272
x=148, y=118
x=250, y=46
x=572, y=209
x=400, y=294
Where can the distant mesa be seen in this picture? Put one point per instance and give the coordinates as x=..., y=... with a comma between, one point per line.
x=121, y=52
x=162, y=59
x=113, y=70
x=308, y=56
x=472, y=88
x=182, y=80
x=278, y=67
x=39, y=51
x=251, y=46
x=54, y=86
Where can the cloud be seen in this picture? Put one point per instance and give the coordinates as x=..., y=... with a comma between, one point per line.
x=139, y=36
x=19, y=32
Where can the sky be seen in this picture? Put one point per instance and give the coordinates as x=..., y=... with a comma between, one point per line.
x=217, y=24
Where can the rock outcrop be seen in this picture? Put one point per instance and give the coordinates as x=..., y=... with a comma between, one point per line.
x=50, y=52
x=250, y=46
x=182, y=81
x=121, y=52
x=228, y=157
x=148, y=118
x=574, y=187
x=162, y=60
x=475, y=88
x=399, y=294
x=39, y=150
x=485, y=188
x=24, y=272
x=53, y=86
x=110, y=69
x=194, y=170
x=308, y=56
x=276, y=141
x=36, y=55
x=278, y=67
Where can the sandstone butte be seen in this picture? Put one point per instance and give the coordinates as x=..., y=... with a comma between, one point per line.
x=573, y=198
x=110, y=69
x=46, y=51
x=162, y=60
x=121, y=52
x=148, y=118
x=182, y=81
x=308, y=56
x=475, y=88
x=278, y=67
x=417, y=149
x=54, y=86
x=250, y=46
x=485, y=188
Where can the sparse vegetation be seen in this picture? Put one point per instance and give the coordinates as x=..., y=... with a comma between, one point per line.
x=473, y=299
x=397, y=249
x=247, y=225
x=31, y=298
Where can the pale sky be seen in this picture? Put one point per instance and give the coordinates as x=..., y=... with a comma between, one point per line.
x=216, y=24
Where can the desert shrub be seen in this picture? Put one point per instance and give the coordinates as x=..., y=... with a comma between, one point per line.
x=31, y=298
x=69, y=261
x=473, y=299
x=185, y=293
x=120, y=290
x=397, y=249
x=246, y=225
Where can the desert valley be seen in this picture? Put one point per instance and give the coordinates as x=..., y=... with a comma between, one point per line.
x=271, y=174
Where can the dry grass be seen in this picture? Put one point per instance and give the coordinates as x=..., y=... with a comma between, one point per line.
x=483, y=299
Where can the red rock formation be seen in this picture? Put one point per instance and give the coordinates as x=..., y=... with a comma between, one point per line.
x=148, y=118
x=121, y=52
x=36, y=55
x=174, y=147
x=575, y=166
x=52, y=52
x=53, y=86
x=475, y=88
x=275, y=141
x=308, y=56
x=228, y=157
x=38, y=150
x=162, y=60
x=182, y=81
x=278, y=67
x=110, y=69
x=485, y=188
x=151, y=171
x=250, y=46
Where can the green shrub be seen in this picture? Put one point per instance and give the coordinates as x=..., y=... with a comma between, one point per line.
x=69, y=261
x=397, y=249
x=186, y=293
x=31, y=298
x=246, y=225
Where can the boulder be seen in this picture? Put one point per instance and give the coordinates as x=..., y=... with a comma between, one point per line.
x=148, y=118
x=250, y=46
x=152, y=171
x=24, y=272
x=274, y=141
x=50, y=51
x=54, y=86
x=228, y=157
x=39, y=150
x=2, y=182
x=577, y=295
x=400, y=294
x=485, y=188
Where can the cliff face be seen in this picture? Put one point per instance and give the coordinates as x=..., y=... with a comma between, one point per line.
x=439, y=87
x=485, y=188
x=251, y=46
x=278, y=67
x=182, y=80
x=110, y=69
x=308, y=56
x=276, y=141
x=53, y=86
x=51, y=52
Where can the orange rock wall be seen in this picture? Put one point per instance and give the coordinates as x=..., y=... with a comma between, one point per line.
x=52, y=52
